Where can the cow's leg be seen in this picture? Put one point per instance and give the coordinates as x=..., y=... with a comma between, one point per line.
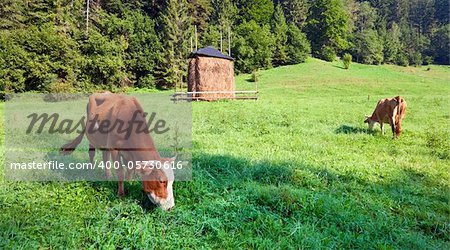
x=130, y=171
x=392, y=123
x=120, y=175
x=382, y=127
x=91, y=153
x=108, y=173
x=129, y=168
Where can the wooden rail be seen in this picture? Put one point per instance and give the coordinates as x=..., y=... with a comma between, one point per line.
x=217, y=92
x=190, y=96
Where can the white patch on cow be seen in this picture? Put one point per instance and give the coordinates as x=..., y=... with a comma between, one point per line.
x=393, y=124
x=169, y=202
x=96, y=126
x=371, y=124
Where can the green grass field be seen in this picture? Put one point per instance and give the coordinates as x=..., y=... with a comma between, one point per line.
x=295, y=169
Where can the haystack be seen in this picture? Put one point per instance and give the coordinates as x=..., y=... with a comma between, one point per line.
x=211, y=71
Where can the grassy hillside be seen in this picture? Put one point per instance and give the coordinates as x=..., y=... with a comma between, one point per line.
x=296, y=168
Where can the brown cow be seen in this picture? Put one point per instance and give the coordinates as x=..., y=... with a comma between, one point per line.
x=391, y=110
x=114, y=112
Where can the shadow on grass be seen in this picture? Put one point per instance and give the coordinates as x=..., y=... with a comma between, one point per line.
x=338, y=66
x=286, y=188
x=345, y=129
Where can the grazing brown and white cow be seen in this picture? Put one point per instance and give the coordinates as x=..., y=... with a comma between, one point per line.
x=109, y=116
x=389, y=110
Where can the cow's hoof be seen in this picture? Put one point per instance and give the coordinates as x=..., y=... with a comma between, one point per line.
x=121, y=194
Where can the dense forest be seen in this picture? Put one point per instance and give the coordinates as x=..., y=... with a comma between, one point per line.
x=84, y=45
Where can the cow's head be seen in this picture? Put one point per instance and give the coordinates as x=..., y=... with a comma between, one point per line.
x=370, y=122
x=158, y=184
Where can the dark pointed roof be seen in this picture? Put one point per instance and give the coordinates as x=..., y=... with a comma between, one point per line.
x=210, y=51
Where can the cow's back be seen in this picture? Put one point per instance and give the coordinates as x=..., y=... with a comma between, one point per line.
x=119, y=110
x=134, y=137
x=104, y=107
x=382, y=110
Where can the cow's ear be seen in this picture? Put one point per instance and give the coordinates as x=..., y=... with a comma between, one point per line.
x=366, y=119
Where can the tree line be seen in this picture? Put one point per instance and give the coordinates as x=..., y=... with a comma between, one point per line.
x=54, y=46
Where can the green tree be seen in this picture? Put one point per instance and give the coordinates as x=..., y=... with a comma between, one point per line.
x=252, y=47
x=199, y=11
x=442, y=11
x=441, y=45
x=298, y=46
x=365, y=16
x=175, y=38
x=347, y=59
x=258, y=10
x=392, y=44
x=35, y=57
x=279, y=31
x=156, y=8
x=367, y=44
x=327, y=26
x=296, y=11
x=224, y=13
x=13, y=63
x=211, y=36
x=413, y=43
x=12, y=14
x=421, y=16
x=368, y=47
x=223, y=18
x=104, y=59
x=144, y=49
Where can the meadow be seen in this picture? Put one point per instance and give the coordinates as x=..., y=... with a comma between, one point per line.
x=295, y=169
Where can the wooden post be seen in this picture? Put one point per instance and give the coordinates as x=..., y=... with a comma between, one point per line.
x=191, y=44
x=221, y=51
x=196, y=45
x=229, y=41
x=87, y=17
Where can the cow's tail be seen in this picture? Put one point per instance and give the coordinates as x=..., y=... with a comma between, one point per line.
x=399, y=104
x=68, y=148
